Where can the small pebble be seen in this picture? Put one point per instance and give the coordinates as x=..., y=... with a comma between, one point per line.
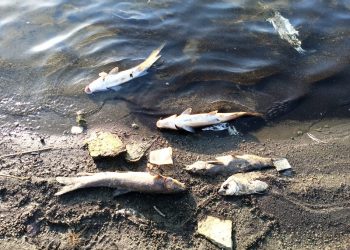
x=76, y=130
x=300, y=132
x=134, y=126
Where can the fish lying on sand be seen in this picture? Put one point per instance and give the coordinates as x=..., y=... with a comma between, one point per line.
x=188, y=121
x=230, y=164
x=286, y=31
x=243, y=183
x=114, y=78
x=123, y=182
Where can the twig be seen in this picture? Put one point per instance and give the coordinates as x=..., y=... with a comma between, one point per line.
x=30, y=152
x=158, y=211
x=312, y=137
x=15, y=177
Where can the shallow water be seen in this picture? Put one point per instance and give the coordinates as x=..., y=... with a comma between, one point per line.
x=218, y=55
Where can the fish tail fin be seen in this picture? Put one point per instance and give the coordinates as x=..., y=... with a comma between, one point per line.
x=151, y=59
x=72, y=183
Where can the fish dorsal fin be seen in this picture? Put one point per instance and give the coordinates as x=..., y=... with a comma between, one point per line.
x=171, y=117
x=187, y=111
x=225, y=160
x=103, y=74
x=114, y=70
x=213, y=112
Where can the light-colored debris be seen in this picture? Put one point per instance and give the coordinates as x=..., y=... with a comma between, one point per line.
x=243, y=184
x=232, y=131
x=105, y=144
x=230, y=164
x=217, y=127
x=135, y=151
x=286, y=31
x=159, y=212
x=217, y=231
x=222, y=126
x=161, y=156
x=75, y=130
x=312, y=137
x=281, y=164
x=132, y=215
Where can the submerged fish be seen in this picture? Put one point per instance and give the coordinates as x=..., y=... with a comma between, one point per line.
x=123, y=182
x=242, y=184
x=115, y=78
x=188, y=121
x=286, y=31
x=230, y=164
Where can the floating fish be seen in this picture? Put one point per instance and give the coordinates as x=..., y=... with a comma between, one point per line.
x=114, y=78
x=123, y=182
x=230, y=164
x=188, y=121
x=243, y=183
x=286, y=31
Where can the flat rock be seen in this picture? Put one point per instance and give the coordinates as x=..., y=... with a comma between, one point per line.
x=105, y=144
x=135, y=151
x=217, y=231
x=282, y=164
x=161, y=156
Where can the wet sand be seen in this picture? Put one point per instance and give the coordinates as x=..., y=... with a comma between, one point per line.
x=309, y=210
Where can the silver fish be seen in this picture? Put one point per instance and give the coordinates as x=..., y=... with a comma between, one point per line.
x=123, y=182
x=230, y=164
x=286, y=31
x=243, y=183
x=188, y=121
x=115, y=78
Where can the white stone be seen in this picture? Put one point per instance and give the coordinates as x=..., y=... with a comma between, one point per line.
x=282, y=164
x=217, y=231
x=161, y=156
x=76, y=130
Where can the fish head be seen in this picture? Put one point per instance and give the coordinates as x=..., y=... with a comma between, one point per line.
x=173, y=185
x=229, y=187
x=95, y=86
x=197, y=167
x=168, y=122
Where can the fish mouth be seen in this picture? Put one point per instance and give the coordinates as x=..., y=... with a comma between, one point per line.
x=87, y=90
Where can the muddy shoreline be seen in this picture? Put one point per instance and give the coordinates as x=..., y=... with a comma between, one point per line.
x=309, y=210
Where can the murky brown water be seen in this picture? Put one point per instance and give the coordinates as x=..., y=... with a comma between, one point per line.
x=218, y=55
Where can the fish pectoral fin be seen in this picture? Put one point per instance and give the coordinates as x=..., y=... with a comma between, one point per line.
x=115, y=88
x=187, y=128
x=187, y=111
x=118, y=192
x=114, y=70
x=213, y=112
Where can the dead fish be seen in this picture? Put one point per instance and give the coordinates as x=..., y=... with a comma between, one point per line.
x=286, y=31
x=188, y=121
x=242, y=184
x=114, y=78
x=123, y=182
x=230, y=164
